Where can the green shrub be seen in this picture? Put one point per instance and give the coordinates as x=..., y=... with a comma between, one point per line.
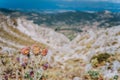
x=100, y=58
x=115, y=77
x=93, y=74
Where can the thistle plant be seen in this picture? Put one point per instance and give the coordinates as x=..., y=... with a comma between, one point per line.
x=38, y=54
x=27, y=65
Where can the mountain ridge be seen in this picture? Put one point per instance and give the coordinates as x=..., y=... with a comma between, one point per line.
x=69, y=18
x=69, y=23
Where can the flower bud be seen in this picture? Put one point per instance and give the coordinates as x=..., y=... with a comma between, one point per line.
x=36, y=49
x=25, y=51
x=44, y=52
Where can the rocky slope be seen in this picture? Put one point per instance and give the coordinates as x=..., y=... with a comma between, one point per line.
x=89, y=44
x=68, y=59
x=22, y=32
x=44, y=35
x=11, y=37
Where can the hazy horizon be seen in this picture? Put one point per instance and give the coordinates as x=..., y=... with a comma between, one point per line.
x=81, y=5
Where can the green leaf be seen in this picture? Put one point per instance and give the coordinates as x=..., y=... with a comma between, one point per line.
x=116, y=77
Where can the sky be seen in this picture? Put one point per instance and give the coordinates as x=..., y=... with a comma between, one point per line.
x=83, y=5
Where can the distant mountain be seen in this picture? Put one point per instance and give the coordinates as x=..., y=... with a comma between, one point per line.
x=70, y=18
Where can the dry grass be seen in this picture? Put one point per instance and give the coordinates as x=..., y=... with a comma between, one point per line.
x=16, y=31
x=5, y=44
x=7, y=36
